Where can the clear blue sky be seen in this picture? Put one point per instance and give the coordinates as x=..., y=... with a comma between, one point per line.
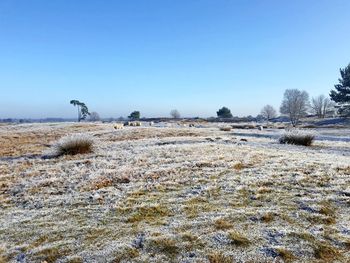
x=156, y=55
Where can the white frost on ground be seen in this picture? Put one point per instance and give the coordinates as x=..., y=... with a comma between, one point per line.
x=176, y=194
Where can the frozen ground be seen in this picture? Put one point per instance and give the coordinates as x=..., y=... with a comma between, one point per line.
x=173, y=194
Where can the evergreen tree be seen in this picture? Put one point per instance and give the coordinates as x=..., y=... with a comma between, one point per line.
x=224, y=113
x=135, y=115
x=341, y=94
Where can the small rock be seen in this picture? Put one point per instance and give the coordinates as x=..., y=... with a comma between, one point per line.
x=95, y=197
x=139, y=241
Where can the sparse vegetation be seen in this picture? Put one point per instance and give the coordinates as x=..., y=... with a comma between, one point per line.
x=164, y=194
x=297, y=137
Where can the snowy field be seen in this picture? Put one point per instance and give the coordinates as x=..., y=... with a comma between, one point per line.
x=173, y=194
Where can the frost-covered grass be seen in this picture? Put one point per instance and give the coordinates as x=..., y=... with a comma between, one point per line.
x=172, y=194
x=297, y=137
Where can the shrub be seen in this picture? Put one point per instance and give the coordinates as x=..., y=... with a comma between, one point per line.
x=74, y=144
x=297, y=137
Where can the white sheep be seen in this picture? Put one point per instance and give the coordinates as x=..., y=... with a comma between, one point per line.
x=118, y=126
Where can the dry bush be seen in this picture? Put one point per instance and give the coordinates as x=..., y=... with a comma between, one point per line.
x=73, y=144
x=225, y=128
x=297, y=137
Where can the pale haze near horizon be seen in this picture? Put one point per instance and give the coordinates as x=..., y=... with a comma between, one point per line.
x=154, y=56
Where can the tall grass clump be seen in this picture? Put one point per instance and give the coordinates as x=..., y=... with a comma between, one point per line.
x=73, y=144
x=297, y=137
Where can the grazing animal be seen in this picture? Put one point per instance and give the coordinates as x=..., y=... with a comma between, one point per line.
x=118, y=126
x=260, y=128
x=133, y=123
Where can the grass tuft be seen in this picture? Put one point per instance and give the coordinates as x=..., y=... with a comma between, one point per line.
x=222, y=224
x=73, y=144
x=218, y=257
x=268, y=217
x=326, y=252
x=286, y=255
x=238, y=239
x=163, y=245
x=297, y=137
x=148, y=213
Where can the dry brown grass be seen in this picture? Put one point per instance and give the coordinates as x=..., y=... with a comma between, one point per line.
x=326, y=252
x=139, y=134
x=163, y=245
x=219, y=257
x=222, y=224
x=286, y=255
x=268, y=217
x=239, y=166
x=150, y=214
x=35, y=142
x=238, y=239
x=125, y=254
x=51, y=254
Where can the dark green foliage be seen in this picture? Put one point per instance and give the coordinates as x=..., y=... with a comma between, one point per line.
x=83, y=110
x=135, y=115
x=341, y=94
x=224, y=113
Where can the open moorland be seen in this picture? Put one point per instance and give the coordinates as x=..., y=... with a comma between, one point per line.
x=170, y=193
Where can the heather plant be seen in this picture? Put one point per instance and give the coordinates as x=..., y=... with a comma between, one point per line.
x=297, y=137
x=74, y=144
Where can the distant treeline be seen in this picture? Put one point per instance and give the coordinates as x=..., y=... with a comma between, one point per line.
x=160, y=119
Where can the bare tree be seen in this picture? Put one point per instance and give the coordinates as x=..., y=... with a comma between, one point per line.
x=321, y=105
x=295, y=104
x=94, y=116
x=175, y=114
x=268, y=112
